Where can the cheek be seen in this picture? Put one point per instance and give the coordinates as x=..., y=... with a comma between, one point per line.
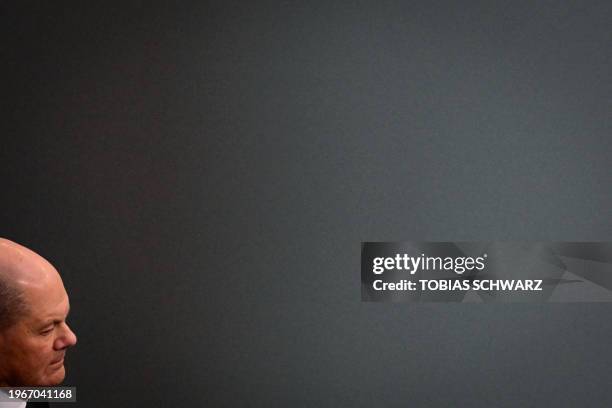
x=38, y=355
x=27, y=357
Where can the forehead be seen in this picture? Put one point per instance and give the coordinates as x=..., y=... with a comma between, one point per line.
x=46, y=301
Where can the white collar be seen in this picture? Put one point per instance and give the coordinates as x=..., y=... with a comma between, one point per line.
x=6, y=402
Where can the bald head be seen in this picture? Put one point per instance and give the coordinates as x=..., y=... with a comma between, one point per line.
x=34, y=306
x=20, y=269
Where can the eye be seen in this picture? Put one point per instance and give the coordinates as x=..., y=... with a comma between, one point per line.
x=46, y=332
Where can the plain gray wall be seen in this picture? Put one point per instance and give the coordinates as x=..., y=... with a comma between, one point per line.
x=203, y=175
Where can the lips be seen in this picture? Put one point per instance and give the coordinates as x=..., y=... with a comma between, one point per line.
x=58, y=361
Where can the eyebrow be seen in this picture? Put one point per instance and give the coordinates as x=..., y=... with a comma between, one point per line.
x=53, y=320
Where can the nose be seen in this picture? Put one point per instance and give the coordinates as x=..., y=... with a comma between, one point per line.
x=66, y=339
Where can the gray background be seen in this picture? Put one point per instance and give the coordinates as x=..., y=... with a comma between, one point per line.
x=202, y=175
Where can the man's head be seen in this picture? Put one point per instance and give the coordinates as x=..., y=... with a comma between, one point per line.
x=34, y=306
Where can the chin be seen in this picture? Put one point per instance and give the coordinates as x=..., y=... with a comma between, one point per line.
x=55, y=379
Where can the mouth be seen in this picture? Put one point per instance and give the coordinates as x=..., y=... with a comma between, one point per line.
x=58, y=362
